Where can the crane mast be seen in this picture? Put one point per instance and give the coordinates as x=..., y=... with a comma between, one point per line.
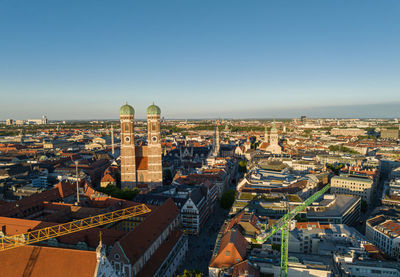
x=283, y=225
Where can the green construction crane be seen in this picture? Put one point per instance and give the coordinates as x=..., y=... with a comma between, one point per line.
x=283, y=225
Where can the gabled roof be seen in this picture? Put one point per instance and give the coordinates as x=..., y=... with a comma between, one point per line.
x=160, y=255
x=61, y=190
x=142, y=163
x=136, y=242
x=244, y=269
x=263, y=146
x=232, y=250
x=108, y=178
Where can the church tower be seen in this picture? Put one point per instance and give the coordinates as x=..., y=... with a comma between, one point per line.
x=274, y=146
x=155, y=171
x=273, y=137
x=216, y=141
x=128, y=163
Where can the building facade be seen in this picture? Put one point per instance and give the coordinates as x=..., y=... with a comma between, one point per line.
x=385, y=234
x=352, y=185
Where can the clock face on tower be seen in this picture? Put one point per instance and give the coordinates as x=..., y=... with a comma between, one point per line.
x=154, y=139
x=127, y=139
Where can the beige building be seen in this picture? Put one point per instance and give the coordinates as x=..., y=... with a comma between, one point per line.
x=352, y=132
x=390, y=133
x=358, y=186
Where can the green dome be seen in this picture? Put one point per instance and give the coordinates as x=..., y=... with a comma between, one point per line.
x=126, y=110
x=153, y=109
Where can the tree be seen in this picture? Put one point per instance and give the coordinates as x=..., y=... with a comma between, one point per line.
x=242, y=166
x=364, y=206
x=167, y=176
x=276, y=247
x=335, y=167
x=341, y=148
x=113, y=191
x=191, y=273
x=227, y=199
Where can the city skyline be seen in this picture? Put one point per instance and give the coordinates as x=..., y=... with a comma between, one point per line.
x=199, y=60
x=379, y=111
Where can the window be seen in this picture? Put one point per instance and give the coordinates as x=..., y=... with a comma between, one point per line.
x=228, y=253
x=116, y=256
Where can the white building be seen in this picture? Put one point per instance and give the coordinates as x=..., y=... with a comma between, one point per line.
x=371, y=268
x=352, y=185
x=385, y=234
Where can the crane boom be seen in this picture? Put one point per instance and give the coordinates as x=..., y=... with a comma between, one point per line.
x=9, y=242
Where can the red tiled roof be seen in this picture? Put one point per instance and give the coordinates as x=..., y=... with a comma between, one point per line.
x=47, y=261
x=232, y=250
x=243, y=269
x=136, y=242
x=142, y=163
x=60, y=191
x=108, y=178
x=161, y=253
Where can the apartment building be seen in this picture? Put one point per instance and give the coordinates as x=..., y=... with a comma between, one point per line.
x=385, y=234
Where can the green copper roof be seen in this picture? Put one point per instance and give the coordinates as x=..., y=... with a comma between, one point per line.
x=126, y=110
x=153, y=109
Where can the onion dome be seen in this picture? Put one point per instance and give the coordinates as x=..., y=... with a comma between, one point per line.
x=153, y=110
x=126, y=110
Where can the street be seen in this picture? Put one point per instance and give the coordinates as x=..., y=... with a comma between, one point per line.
x=201, y=246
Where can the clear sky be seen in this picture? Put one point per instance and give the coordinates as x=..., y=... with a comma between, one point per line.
x=82, y=59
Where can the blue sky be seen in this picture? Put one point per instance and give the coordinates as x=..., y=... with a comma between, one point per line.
x=210, y=58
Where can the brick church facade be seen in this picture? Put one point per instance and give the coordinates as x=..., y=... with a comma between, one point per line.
x=140, y=164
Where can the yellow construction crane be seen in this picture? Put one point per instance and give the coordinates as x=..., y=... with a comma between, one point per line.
x=9, y=242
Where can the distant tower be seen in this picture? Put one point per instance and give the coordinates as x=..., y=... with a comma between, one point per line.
x=112, y=140
x=44, y=120
x=155, y=172
x=128, y=163
x=216, y=141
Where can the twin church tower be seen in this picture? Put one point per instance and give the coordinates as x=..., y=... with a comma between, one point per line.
x=140, y=164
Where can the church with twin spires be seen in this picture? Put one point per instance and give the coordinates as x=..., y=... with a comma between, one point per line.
x=141, y=165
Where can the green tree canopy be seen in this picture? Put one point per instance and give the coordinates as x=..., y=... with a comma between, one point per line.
x=227, y=199
x=191, y=273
